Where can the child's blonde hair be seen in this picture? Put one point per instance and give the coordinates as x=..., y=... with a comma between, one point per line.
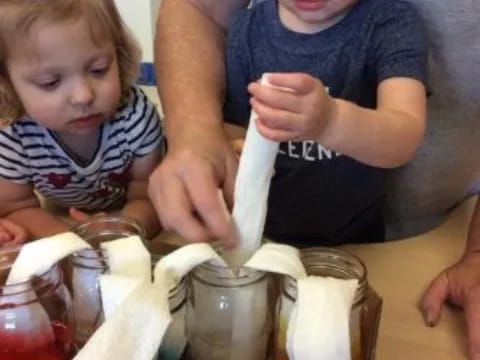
x=18, y=16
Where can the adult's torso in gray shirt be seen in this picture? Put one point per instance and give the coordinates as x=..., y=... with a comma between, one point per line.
x=446, y=169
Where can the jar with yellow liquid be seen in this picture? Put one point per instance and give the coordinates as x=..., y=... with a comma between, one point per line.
x=338, y=264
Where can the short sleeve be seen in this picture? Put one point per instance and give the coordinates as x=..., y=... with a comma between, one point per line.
x=142, y=125
x=399, y=43
x=237, y=100
x=14, y=162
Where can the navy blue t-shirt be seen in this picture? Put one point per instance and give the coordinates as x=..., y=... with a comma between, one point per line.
x=318, y=196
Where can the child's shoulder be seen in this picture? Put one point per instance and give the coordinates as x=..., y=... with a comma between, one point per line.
x=22, y=127
x=136, y=113
x=136, y=103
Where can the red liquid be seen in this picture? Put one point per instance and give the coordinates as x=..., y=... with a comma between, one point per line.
x=61, y=349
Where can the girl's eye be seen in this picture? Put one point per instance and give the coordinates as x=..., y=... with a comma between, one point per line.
x=99, y=71
x=48, y=85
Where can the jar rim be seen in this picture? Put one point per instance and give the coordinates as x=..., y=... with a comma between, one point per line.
x=111, y=218
x=357, y=271
x=245, y=277
x=94, y=253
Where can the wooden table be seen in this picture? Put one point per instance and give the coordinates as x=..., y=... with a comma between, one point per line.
x=400, y=271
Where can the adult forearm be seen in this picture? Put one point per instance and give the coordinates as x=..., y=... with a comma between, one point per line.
x=382, y=138
x=37, y=222
x=189, y=54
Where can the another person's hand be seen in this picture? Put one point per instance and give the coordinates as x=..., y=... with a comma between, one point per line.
x=11, y=233
x=460, y=286
x=81, y=216
x=296, y=107
x=186, y=188
x=236, y=136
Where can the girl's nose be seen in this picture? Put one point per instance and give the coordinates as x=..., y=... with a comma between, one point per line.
x=83, y=93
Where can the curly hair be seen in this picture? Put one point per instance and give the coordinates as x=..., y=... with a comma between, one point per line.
x=18, y=16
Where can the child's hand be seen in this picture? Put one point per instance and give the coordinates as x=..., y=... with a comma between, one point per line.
x=81, y=216
x=299, y=111
x=11, y=233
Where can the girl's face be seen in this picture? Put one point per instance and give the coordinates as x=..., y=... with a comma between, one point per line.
x=65, y=81
x=311, y=16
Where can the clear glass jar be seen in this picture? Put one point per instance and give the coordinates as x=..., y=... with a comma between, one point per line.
x=86, y=265
x=325, y=262
x=36, y=317
x=229, y=316
x=175, y=340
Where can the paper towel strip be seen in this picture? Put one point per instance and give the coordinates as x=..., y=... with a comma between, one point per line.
x=134, y=330
x=319, y=324
x=251, y=192
x=38, y=256
x=114, y=290
x=278, y=258
x=318, y=327
x=177, y=264
x=141, y=320
x=128, y=257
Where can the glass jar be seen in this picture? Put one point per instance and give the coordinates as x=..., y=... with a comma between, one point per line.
x=175, y=340
x=325, y=262
x=36, y=316
x=229, y=316
x=86, y=265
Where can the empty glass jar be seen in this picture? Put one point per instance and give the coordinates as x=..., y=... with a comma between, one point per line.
x=36, y=317
x=334, y=263
x=86, y=265
x=174, y=342
x=229, y=316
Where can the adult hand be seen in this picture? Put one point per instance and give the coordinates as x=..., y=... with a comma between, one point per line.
x=11, y=233
x=458, y=285
x=297, y=107
x=189, y=187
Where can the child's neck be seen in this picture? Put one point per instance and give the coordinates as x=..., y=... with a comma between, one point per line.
x=82, y=147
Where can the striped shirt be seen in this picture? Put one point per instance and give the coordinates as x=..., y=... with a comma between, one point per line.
x=31, y=154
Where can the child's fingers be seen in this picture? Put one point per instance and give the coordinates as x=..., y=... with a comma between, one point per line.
x=12, y=233
x=299, y=82
x=276, y=98
x=78, y=215
x=4, y=237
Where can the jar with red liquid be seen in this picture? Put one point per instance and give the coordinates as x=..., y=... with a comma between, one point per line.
x=36, y=316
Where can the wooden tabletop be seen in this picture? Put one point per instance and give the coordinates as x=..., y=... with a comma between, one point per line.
x=400, y=271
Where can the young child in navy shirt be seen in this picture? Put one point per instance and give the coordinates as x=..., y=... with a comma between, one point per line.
x=354, y=105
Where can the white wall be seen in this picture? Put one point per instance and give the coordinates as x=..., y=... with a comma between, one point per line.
x=140, y=16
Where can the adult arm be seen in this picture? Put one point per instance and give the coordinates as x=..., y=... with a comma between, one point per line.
x=191, y=81
x=460, y=285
